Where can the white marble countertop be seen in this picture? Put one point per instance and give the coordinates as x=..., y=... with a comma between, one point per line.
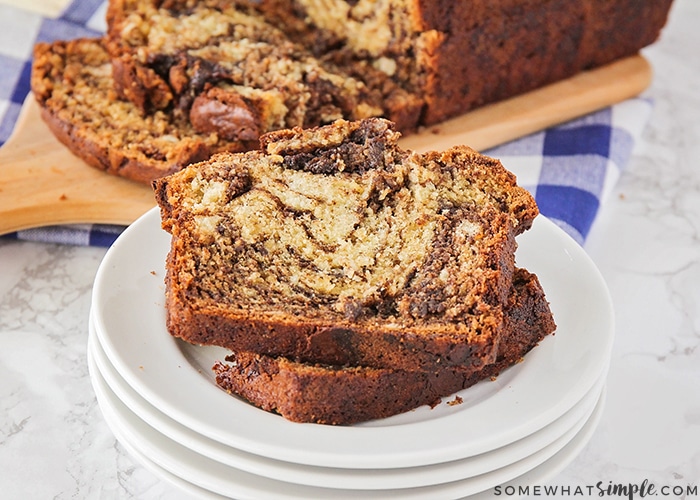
x=54, y=442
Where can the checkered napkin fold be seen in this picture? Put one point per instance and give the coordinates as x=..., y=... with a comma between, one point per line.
x=570, y=169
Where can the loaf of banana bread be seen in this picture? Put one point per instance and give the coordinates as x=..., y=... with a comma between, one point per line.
x=343, y=395
x=415, y=62
x=333, y=245
x=72, y=82
x=456, y=55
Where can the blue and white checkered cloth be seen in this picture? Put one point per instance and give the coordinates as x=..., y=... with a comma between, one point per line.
x=570, y=169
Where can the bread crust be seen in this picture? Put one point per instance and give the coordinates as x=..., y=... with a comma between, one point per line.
x=531, y=44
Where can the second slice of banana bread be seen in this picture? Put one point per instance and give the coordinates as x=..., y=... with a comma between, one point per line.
x=342, y=395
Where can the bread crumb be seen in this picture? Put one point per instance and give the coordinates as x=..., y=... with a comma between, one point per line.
x=456, y=401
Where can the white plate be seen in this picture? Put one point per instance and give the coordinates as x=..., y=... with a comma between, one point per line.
x=549, y=469
x=175, y=377
x=218, y=478
x=335, y=477
x=537, y=476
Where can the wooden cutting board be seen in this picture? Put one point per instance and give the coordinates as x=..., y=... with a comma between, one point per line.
x=47, y=8
x=42, y=183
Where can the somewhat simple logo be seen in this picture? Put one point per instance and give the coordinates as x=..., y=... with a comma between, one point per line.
x=601, y=489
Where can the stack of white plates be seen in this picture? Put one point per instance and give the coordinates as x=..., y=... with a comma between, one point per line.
x=159, y=397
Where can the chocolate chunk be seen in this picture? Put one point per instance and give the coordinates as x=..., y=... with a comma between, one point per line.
x=225, y=113
x=363, y=150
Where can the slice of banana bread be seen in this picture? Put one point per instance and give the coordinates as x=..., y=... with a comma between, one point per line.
x=223, y=66
x=72, y=82
x=347, y=395
x=333, y=245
